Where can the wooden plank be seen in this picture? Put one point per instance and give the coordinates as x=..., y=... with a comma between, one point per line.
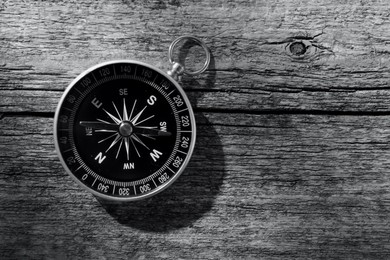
x=345, y=68
x=291, y=159
x=270, y=186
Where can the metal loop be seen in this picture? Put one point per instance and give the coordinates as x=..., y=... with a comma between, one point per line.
x=198, y=41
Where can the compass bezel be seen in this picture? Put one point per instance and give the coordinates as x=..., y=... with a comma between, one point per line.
x=157, y=189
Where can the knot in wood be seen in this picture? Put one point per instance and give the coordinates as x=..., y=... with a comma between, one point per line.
x=297, y=48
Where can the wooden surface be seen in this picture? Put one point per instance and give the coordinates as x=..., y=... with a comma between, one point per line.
x=292, y=156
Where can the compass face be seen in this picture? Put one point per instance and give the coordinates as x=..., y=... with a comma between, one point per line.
x=124, y=130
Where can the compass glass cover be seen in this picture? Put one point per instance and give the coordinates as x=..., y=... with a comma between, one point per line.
x=124, y=130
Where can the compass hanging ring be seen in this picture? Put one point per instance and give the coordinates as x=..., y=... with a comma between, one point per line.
x=177, y=68
x=125, y=130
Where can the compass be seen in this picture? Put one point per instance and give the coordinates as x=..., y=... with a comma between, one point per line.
x=125, y=130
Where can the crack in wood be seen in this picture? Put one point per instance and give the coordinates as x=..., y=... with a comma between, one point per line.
x=232, y=111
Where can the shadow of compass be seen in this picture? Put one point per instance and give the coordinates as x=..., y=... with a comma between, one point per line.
x=193, y=194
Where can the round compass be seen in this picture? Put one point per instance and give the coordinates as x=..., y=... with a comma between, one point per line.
x=124, y=130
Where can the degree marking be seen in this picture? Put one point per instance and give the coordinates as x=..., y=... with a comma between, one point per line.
x=182, y=152
x=94, y=76
x=78, y=91
x=68, y=150
x=155, y=78
x=182, y=110
x=135, y=71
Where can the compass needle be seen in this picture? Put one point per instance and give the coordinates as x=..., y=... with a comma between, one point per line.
x=135, y=137
x=117, y=138
x=150, y=131
x=144, y=120
x=119, y=148
x=132, y=110
x=117, y=111
x=101, y=120
x=125, y=118
x=135, y=148
x=125, y=130
x=135, y=119
x=105, y=131
x=127, y=147
x=116, y=120
x=148, y=136
x=107, y=138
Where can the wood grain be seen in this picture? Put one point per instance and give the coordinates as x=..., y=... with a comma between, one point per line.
x=291, y=160
x=347, y=68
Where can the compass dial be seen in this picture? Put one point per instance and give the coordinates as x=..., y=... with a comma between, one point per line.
x=124, y=130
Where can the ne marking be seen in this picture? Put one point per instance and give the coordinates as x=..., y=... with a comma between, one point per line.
x=171, y=92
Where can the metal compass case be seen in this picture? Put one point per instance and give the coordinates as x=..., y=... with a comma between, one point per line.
x=125, y=130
